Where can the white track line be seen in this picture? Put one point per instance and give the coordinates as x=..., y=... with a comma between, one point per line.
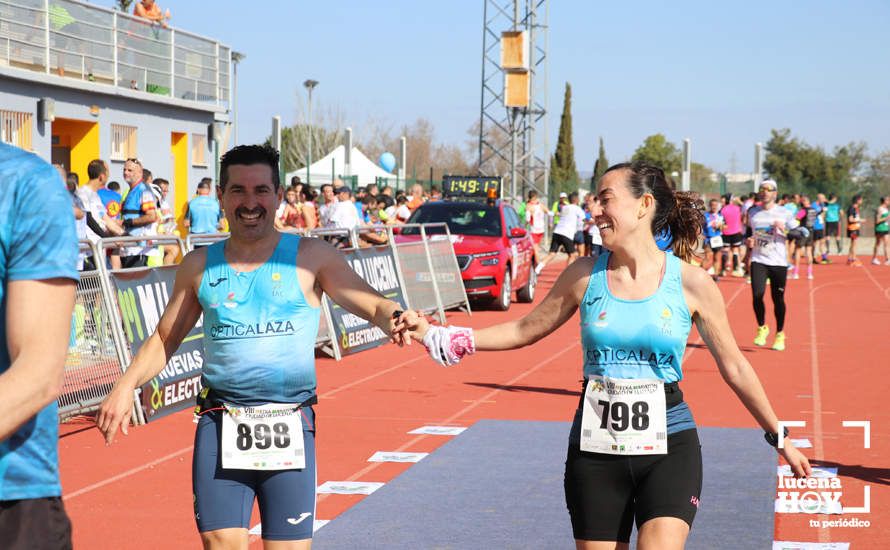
x=818, y=435
x=884, y=291
x=372, y=376
x=128, y=473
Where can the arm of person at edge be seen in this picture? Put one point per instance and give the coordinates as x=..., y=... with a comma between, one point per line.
x=38, y=326
x=554, y=310
x=342, y=284
x=709, y=314
x=179, y=317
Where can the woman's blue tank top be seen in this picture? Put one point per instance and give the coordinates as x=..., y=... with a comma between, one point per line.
x=637, y=338
x=259, y=331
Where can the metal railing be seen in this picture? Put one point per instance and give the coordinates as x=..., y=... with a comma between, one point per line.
x=87, y=42
x=95, y=357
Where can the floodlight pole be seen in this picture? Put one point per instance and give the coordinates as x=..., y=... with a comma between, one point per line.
x=237, y=57
x=309, y=85
x=758, y=165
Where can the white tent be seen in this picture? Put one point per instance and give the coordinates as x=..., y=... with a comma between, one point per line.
x=335, y=163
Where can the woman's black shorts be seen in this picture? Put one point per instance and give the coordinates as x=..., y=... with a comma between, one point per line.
x=606, y=493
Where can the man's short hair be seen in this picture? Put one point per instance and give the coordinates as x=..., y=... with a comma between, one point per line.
x=113, y=186
x=369, y=200
x=325, y=185
x=247, y=155
x=344, y=189
x=160, y=181
x=146, y=174
x=295, y=180
x=204, y=184
x=96, y=168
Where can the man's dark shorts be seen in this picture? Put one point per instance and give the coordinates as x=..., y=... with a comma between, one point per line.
x=34, y=524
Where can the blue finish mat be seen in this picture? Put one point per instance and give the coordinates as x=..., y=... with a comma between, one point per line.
x=499, y=485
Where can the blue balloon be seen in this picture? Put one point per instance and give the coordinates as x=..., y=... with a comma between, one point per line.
x=387, y=161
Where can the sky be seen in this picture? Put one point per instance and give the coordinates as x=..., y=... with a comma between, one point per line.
x=722, y=74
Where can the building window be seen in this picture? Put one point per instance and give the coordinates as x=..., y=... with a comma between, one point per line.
x=16, y=129
x=199, y=149
x=123, y=142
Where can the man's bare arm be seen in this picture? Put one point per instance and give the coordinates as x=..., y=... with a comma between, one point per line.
x=38, y=327
x=179, y=317
x=345, y=287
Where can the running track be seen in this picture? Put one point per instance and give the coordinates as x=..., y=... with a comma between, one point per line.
x=137, y=493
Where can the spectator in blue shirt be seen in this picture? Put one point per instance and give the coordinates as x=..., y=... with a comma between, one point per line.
x=202, y=213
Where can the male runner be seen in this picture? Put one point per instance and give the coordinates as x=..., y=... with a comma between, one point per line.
x=38, y=270
x=832, y=222
x=260, y=293
x=571, y=217
x=769, y=260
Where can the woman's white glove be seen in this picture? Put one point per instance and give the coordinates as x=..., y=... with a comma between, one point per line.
x=448, y=345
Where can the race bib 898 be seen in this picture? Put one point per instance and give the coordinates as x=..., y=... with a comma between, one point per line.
x=267, y=437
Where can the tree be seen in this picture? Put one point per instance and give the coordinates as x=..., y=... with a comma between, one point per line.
x=124, y=5
x=809, y=169
x=599, y=167
x=327, y=132
x=563, y=173
x=657, y=150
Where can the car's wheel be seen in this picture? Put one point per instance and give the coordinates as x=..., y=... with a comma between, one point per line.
x=526, y=294
x=502, y=302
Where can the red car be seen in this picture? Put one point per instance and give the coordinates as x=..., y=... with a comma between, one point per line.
x=494, y=252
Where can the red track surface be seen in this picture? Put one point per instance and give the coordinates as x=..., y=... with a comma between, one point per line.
x=137, y=493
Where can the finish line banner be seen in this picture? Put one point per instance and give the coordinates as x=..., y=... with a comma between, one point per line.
x=142, y=297
x=377, y=267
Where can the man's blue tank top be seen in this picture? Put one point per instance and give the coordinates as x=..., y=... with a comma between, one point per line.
x=637, y=338
x=259, y=331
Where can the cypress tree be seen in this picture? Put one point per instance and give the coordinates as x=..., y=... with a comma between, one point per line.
x=599, y=167
x=563, y=173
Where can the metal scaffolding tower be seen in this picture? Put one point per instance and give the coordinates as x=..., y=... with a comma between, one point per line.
x=514, y=141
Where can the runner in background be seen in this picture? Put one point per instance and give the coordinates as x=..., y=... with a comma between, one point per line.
x=536, y=219
x=769, y=260
x=733, y=236
x=854, y=226
x=807, y=216
x=592, y=232
x=635, y=302
x=570, y=218
x=819, y=247
x=713, y=235
x=882, y=225
x=832, y=222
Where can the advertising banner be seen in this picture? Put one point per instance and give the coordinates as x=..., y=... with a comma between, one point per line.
x=142, y=297
x=378, y=268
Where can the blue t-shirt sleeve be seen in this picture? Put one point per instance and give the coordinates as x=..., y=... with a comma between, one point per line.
x=43, y=238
